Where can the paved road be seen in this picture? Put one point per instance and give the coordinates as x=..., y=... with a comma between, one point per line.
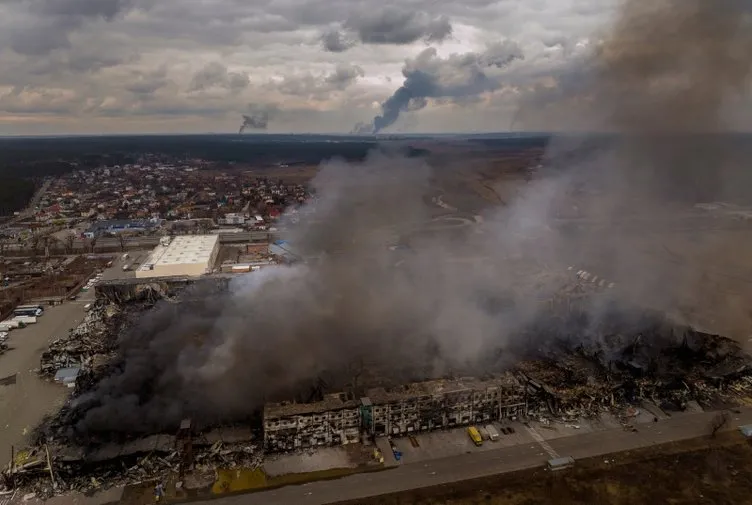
x=22, y=405
x=485, y=463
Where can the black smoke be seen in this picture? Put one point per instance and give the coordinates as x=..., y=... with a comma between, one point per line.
x=258, y=120
x=459, y=77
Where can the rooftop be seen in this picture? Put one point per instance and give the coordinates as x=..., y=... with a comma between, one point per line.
x=334, y=401
x=183, y=249
x=380, y=396
x=442, y=387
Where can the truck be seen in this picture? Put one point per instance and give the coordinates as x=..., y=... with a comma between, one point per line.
x=474, y=434
x=493, y=433
x=25, y=319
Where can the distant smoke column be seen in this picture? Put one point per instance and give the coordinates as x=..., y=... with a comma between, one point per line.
x=426, y=77
x=256, y=121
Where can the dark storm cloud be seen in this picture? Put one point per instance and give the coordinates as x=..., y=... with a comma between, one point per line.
x=389, y=25
x=216, y=75
x=458, y=77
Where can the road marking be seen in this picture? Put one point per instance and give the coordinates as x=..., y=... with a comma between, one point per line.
x=544, y=445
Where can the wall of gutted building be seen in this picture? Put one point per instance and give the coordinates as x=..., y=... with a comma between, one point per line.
x=414, y=408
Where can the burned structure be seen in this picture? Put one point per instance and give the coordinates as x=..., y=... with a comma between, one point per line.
x=411, y=408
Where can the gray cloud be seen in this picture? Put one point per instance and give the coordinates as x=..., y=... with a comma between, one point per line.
x=398, y=26
x=88, y=52
x=216, y=75
x=389, y=25
x=459, y=77
x=319, y=87
x=144, y=85
x=336, y=41
x=49, y=23
x=105, y=9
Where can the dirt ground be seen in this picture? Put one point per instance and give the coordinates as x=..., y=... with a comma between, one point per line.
x=697, y=471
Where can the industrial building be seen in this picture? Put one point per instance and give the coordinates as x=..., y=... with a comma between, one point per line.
x=184, y=256
x=412, y=408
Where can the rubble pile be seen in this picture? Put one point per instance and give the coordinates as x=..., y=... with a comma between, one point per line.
x=51, y=469
x=70, y=474
x=93, y=337
x=227, y=455
x=648, y=359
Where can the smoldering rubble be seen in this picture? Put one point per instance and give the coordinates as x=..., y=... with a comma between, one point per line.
x=587, y=366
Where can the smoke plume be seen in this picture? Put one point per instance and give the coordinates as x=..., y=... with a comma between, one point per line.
x=258, y=118
x=459, y=301
x=359, y=308
x=458, y=77
x=665, y=86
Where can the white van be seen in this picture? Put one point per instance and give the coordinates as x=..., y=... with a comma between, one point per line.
x=493, y=434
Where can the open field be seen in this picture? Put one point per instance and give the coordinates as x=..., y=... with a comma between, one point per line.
x=703, y=470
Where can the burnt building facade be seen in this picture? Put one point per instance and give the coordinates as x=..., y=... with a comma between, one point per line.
x=332, y=421
x=411, y=408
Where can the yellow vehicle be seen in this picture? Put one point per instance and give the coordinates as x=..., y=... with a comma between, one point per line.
x=475, y=435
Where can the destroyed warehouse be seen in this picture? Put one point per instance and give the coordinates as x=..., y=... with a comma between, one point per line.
x=566, y=366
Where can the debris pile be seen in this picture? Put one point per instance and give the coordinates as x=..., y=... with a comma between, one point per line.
x=609, y=365
x=93, y=337
x=228, y=455
x=51, y=469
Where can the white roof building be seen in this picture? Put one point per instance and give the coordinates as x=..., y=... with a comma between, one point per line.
x=183, y=256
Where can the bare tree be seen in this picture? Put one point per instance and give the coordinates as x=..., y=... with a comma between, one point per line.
x=34, y=242
x=90, y=244
x=68, y=243
x=122, y=238
x=719, y=422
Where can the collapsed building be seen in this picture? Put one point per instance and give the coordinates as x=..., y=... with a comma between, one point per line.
x=572, y=367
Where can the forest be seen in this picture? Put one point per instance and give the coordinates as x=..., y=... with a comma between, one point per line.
x=15, y=193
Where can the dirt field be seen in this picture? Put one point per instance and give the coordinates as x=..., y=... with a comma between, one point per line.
x=697, y=471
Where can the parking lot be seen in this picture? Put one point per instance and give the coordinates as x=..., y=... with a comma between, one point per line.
x=24, y=404
x=537, y=433
x=447, y=443
x=134, y=260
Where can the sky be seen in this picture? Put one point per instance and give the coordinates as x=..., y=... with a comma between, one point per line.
x=316, y=66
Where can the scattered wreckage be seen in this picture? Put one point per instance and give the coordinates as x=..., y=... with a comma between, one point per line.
x=51, y=469
x=580, y=369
